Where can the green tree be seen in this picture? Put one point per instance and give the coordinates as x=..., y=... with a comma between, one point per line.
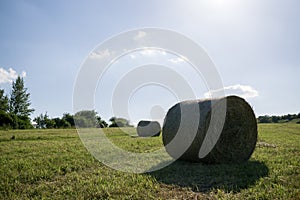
x=69, y=118
x=49, y=123
x=19, y=104
x=61, y=123
x=264, y=119
x=39, y=121
x=4, y=106
x=275, y=119
x=6, y=120
x=86, y=118
x=119, y=122
x=113, y=122
x=101, y=122
x=19, y=100
x=43, y=121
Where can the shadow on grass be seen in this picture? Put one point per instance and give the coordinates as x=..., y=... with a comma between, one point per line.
x=203, y=178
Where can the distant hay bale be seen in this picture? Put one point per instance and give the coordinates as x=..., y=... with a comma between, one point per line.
x=148, y=128
x=237, y=139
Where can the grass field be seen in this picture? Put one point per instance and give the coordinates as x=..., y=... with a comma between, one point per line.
x=54, y=164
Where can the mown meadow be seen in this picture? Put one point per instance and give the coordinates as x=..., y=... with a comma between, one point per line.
x=54, y=164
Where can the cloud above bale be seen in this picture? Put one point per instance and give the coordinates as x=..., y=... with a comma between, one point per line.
x=148, y=52
x=176, y=60
x=244, y=91
x=152, y=52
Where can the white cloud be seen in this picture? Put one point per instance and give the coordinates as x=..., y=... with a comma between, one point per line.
x=139, y=35
x=147, y=51
x=176, y=60
x=162, y=52
x=23, y=74
x=8, y=76
x=152, y=52
x=132, y=56
x=244, y=91
x=99, y=55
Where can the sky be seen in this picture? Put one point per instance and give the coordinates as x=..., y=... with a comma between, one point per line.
x=254, y=45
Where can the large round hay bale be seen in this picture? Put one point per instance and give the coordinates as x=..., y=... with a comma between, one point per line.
x=148, y=128
x=237, y=138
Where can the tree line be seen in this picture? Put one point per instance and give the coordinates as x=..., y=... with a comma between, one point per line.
x=82, y=119
x=278, y=119
x=15, y=113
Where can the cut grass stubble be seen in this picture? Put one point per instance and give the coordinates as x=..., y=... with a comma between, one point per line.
x=55, y=164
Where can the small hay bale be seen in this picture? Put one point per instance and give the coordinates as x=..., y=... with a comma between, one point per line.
x=148, y=129
x=237, y=139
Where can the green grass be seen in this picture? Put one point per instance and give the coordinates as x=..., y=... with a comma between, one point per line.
x=54, y=164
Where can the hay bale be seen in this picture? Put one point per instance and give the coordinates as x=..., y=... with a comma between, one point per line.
x=148, y=128
x=237, y=137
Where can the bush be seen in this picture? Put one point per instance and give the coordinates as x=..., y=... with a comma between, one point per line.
x=6, y=120
x=23, y=122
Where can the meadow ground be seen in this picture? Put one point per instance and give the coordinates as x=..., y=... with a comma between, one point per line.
x=54, y=164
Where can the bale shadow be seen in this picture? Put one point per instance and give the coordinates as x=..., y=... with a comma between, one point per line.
x=204, y=178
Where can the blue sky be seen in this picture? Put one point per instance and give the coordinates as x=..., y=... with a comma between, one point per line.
x=254, y=44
